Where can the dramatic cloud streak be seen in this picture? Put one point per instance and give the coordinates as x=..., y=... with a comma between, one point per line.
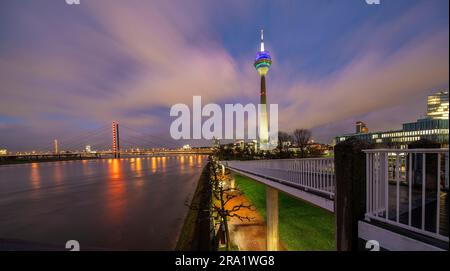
x=66, y=68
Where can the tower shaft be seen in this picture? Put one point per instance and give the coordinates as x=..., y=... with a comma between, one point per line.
x=263, y=90
x=55, y=146
x=263, y=121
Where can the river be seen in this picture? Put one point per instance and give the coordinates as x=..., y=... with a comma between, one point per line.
x=109, y=204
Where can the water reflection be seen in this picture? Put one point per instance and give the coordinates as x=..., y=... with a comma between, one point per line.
x=154, y=166
x=182, y=162
x=115, y=200
x=138, y=171
x=138, y=167
x=164, y=162
x=58, y=175
x=87, y=169
x=35, y=177
x=108, y=203
x=114, y=169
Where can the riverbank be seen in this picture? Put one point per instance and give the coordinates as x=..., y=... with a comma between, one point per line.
x=302, y=226
x=195, y=233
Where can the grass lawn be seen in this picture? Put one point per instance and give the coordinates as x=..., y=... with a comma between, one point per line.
x=302, y=226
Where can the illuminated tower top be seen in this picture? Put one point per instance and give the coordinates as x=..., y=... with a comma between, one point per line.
x=262, y=41
x=263, y=59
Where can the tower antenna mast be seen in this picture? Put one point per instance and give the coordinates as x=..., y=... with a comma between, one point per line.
x=262, y=40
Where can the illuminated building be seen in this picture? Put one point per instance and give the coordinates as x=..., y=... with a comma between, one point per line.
x=434, y=127
x=239, y=144
x=55, y=146
x=216, y=143
x=3, y=152
x=262, y=65
x=186, y=147
x=438, y=106
x=253, y=145
x=361, y=127
x=88, y=149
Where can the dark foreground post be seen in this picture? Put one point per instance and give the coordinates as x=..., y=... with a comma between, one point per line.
x=350, y=195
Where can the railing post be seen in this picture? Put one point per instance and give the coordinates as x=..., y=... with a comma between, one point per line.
x=272, y=218
x=446, y=171
x=430, y=179
x=350, y=194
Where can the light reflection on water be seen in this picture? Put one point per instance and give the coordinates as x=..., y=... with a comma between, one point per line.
x=115, y=195
x=34, y=176
x=109, y=203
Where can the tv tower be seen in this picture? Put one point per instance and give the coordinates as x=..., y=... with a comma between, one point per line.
x=262, y=65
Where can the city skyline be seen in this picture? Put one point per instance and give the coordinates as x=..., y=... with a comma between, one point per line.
x=433, y=127
x=104, y=62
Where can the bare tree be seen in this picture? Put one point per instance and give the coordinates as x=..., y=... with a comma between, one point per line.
x=283, y=138
x=301, y=138
x=222, y=194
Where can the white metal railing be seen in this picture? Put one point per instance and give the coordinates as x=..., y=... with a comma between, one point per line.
x=309, y=174
x=408, y=188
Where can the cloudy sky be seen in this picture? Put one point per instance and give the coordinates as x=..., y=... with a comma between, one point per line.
x=72, y=69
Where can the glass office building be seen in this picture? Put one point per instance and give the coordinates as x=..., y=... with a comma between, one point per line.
x=434, y=127
x=438, y=106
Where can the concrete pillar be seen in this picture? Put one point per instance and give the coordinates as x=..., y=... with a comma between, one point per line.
x=232, y=183
x=272, y=218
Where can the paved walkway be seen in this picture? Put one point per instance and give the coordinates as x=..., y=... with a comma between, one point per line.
x=248, y=235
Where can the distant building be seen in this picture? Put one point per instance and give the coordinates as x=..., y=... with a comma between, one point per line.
x=3, y=151
x=242, y=145
x=434, y=127
x=438, y=106
x=286, y=144
x=186, y=147
x=361, y=128
x=313, y=148
x=239, y=144
x=253, y=145
x=216, y=143
x=88, y=149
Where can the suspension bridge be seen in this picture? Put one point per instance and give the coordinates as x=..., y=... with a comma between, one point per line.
x=106, y=141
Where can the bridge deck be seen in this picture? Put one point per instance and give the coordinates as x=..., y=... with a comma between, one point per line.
x=308, y=196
